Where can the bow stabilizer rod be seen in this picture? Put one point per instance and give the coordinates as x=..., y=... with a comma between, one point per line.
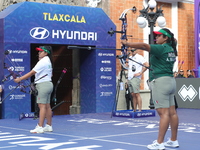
x=90, y=48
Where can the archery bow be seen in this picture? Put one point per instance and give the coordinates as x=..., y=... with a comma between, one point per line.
x=124, y=49
x=13, y=75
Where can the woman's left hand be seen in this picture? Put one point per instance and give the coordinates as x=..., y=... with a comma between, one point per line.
x=124, y=42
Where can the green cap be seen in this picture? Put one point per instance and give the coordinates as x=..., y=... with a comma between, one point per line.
x=44, y=48
x=161, y=31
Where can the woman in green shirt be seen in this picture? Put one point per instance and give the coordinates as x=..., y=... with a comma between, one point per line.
x=163, y=84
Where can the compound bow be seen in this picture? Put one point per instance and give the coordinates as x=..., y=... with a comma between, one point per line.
x=13, y=75
x=124, y=49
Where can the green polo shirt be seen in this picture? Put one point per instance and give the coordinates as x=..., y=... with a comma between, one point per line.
x=162, y=60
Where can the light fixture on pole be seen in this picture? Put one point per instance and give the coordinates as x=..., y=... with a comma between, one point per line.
x=147, y=15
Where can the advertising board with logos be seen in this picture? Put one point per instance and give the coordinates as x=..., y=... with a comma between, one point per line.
x=27, y=23
x=187, y=93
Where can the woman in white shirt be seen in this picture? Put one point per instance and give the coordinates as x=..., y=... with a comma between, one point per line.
x=44, y=85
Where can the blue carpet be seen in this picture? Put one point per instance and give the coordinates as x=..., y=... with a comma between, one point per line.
x=97, y=132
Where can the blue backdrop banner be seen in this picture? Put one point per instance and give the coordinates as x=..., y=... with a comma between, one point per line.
x=26, y=23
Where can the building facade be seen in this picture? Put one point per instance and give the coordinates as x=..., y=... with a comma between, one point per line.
x=179, y=16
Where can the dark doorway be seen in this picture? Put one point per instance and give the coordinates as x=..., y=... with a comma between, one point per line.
x=62, y=58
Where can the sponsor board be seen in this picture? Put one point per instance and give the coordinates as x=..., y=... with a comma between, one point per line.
x=131, y=114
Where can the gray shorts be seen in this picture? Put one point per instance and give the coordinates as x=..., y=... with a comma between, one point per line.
x=134, y=85
x=44, y=92
x=163, y=91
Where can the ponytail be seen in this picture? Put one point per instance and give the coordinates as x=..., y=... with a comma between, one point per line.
x=50, y=55
x=172, y=40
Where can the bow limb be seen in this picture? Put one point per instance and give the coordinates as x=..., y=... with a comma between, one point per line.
x=124, y=48
x=10, y=92
x=54, y=99
x=11, y=68
x=11, y=73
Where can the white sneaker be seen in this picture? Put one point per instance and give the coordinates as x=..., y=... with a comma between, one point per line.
x=156, y=146
x=171, y=143
x=48, y=128
x=37, y=129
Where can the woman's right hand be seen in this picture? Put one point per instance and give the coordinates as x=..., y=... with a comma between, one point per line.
x=17, y=80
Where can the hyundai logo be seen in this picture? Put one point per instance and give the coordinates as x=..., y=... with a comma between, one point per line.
x=39, y=33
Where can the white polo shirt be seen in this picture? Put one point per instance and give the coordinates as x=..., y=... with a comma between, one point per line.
x=138, y=68
x=42, y=68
